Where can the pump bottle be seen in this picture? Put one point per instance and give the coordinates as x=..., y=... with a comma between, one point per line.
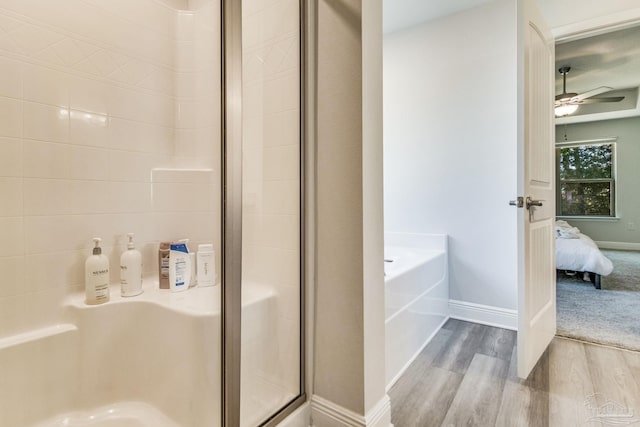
x=96, y=270
x=130, y=270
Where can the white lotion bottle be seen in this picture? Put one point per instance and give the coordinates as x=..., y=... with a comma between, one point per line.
x=179, y=267
x=206, y=265
x=192, y=257
x=96, y=271
x=131, y=270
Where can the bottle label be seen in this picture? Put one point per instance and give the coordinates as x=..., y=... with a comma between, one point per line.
x=181, y=268
x=102, y=292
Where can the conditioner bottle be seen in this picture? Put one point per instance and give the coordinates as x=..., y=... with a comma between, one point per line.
x=96, y=270
x=131, y=270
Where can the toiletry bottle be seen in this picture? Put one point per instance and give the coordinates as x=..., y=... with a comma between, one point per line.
x=206, y=265
x=192, y=257
x=179, y=267
x=96, y=270
x=131, y=270
x=163, y=265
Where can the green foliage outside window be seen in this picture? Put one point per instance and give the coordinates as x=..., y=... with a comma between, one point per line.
x=586, y=184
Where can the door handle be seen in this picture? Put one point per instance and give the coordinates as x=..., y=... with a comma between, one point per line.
x=531, y=202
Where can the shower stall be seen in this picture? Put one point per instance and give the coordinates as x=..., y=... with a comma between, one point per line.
x=170, y=119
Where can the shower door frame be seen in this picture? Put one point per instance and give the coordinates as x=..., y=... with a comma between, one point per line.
x=231, y=232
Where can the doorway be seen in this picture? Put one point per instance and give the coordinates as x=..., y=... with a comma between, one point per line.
x=597, y=244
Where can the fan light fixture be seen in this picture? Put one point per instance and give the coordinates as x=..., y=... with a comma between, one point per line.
x=566, y=110
x=567, y=103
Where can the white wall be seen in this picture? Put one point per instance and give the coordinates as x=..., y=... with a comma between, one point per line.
x=627, y=177
x=93, y=98
x=450, y=144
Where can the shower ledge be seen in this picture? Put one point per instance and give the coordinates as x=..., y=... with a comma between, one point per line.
x=36, y=334
x=196, y=301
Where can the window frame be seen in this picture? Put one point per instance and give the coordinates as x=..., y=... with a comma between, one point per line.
x=612, y=181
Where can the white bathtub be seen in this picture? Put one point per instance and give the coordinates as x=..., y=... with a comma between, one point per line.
x=151, y=360
x=416, y=296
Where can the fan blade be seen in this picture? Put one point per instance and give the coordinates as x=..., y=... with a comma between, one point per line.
x=590, y=93
x=598, y=100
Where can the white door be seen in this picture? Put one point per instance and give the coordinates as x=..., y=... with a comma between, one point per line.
x=536, y=182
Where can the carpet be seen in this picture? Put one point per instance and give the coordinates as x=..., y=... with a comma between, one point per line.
x=610, y=315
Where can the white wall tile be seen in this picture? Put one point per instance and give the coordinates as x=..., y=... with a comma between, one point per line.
x=33, y=39
x=12, y=315
x=13, y=270
x=281, y=197
x=281, y=163
x=185, y=56
x=66, y=197
x=182, y=197
x=88, y=163
x=66, y=232
x=11, y=196
x=45, y=159
x=11, y=78
x=46, y=196
x=87, y=128
x=44, y=307
x=46, y=122
x=185, y=176
x=10, y=117
x=10, y=157
x=185, y=25
x=130, y=166
x=11, y=236
x=46, y=86
x=133, y=105
x=89, y=197
x=282, y=128
x=88, y=95
x=54, y=269
x=194, y=226
x=129, y=135
x=130, y=197
x=281, y=231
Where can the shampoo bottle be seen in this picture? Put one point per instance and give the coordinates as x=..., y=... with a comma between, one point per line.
x=206, y=265
x=192, y=257
x=96, y=270
x=131, y=270
x=179, y=267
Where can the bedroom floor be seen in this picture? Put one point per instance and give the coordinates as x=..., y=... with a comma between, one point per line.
x=466, y=376
x=609, y=315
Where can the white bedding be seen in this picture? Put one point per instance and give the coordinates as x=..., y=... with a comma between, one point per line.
x=581, y=254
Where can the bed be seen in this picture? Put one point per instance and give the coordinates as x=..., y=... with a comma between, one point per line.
x=577, y=252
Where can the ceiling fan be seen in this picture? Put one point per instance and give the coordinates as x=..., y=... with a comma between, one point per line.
x=568, y=102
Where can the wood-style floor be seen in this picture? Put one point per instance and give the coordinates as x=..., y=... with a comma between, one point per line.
x=466, y=376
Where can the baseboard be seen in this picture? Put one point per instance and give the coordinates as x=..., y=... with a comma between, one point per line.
x=325, y=413
x=484, y=314
x=621, y=246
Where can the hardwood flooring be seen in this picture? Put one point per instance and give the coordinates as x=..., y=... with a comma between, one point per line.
x=466, y=376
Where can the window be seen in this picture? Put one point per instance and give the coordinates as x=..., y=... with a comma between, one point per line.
x=586, y=178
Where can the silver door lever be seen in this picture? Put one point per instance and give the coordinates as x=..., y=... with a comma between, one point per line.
x=531, y=202
x=531, y=206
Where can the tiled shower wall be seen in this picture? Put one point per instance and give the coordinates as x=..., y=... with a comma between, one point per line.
x=109, y=124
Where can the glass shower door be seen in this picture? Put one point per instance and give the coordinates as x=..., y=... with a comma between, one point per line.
x=271, y=209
